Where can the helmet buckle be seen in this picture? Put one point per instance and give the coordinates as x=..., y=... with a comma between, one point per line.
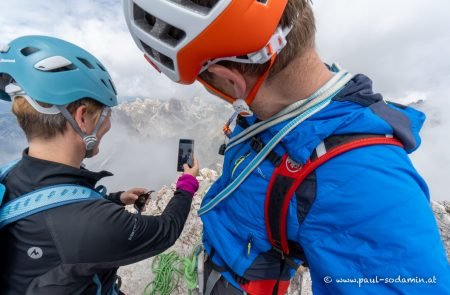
x=242, y=108
x=276, y=43
x=13, y=89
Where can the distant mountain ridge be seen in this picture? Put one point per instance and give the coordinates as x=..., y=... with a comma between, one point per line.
x=173, y=117
x=12, y=138
x=145, y=132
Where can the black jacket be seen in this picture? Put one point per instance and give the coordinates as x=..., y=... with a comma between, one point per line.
x=79, y=240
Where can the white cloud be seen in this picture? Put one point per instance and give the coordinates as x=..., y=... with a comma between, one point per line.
x=402, y=45
x=100, y=28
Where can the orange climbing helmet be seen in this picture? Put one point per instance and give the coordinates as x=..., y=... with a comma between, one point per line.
x=181, y=38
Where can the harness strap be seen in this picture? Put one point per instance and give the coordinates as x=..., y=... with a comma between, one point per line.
x=289, y=176
x=213, y=277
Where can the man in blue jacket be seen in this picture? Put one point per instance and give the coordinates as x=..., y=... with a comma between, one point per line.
x=362, y=220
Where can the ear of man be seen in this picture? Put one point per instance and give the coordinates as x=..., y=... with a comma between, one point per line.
x=229, y=80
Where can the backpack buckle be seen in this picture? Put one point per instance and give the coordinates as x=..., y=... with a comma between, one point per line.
x=279, y=251
x=256, y=144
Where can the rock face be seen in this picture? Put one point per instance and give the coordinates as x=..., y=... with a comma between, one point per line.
x=136, y=276
x=442, y=214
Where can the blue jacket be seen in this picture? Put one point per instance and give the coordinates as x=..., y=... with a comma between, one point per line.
x=370, y=224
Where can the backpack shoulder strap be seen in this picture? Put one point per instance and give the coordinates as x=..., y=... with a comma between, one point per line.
x=288, y=176
x=44, y=199
x=4, y=170
x=3, y=173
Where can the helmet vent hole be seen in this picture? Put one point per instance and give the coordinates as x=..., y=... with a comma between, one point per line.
x=55, y=64
x=63, y=69
x=175, y=34
x=161, y=58
x=104, y=83
x=112, y=86
x=143, y=19
x=203, y=7
x=86, y=63
x=262, y=1
x=157, y=28
x=101, y=67
x=29, y=51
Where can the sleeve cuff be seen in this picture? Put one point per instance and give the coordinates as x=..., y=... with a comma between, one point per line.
x=188, y=183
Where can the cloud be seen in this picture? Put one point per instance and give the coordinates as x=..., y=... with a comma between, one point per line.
x=100, y=28
x=402, y=45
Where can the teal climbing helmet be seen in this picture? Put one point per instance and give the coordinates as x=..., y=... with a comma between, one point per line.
x=54, y=71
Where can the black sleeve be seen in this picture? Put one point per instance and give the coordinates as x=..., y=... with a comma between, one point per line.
x=103, y=234
x=115, y=197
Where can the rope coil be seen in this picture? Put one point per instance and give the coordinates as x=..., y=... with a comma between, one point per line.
x=169, y=268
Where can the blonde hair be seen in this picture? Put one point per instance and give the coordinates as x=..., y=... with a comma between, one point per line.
x=43, y=126
x=297, y=13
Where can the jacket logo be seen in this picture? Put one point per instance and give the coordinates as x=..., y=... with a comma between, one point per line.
x=35, y=252
x=292, y=166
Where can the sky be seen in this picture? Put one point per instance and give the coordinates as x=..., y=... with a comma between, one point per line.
x=402, y=45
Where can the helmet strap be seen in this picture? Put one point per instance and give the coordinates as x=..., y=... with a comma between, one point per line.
x=241, y=106
x=91, y=140
x=212, y=89
x=252, y=94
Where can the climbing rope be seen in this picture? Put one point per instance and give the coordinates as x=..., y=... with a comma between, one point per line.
x=165, y=267
x=169, y=268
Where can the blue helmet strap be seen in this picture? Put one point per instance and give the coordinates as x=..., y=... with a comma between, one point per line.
x=89, y=140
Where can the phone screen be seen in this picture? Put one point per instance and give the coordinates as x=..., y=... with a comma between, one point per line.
x=185, y=153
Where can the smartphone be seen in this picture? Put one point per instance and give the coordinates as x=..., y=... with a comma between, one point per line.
x=139, y=204
x=185, y=153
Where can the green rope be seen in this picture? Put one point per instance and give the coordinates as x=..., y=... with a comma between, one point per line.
x=168, y=268
x=190, y=268
x=165, y=267
x=190, y=273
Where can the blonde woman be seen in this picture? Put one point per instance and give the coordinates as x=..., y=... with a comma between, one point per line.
x=59, y=234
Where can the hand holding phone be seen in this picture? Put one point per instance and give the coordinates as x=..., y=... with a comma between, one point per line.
x=141, y=201
x=185, y=153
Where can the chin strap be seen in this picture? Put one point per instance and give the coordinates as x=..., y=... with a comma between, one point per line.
x=241, y=106
x=90, y=141
x=251, y=96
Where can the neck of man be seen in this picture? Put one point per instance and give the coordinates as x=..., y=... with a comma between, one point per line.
x=60, y=149
x=299, y=80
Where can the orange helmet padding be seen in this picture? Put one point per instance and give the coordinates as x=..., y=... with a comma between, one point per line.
x=245, y=26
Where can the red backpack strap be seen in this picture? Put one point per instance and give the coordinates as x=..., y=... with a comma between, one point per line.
x=288, y=176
